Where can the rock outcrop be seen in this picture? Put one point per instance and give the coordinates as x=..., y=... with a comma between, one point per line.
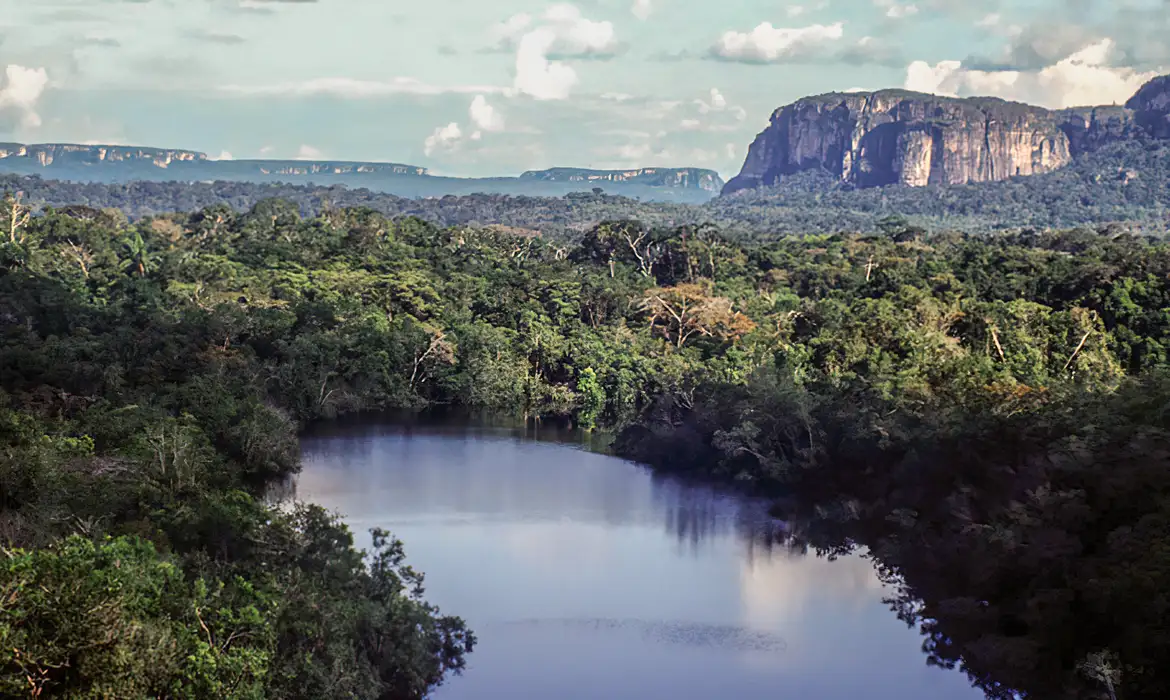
x=48, y=153
x=1090, y=128
x=901, y=137
x=1151, y=107
x=694, y=178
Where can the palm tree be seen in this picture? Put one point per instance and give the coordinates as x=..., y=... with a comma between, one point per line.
x=137, y=254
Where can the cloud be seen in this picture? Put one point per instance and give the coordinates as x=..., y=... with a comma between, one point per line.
x=442, y=138
x=768, y=44
x=485, y=117
x=894, y=10
x=1036, y=46
x=536, y=75
x=223, y=155
x=352, y=88
x=214, y=37
x=1084, y=77
x=642, y=8
x=20, y=94
x=307, y=152
x=868, y=51
x=543, y=45
x=717, y=104
x=575, y=36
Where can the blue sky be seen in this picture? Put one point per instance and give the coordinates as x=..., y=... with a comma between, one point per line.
x=482, y=87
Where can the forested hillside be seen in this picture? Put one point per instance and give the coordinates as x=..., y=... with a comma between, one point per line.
x=997, y=403
x=1126, y=183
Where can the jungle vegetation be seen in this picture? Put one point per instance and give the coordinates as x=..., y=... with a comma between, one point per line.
x=987, y=414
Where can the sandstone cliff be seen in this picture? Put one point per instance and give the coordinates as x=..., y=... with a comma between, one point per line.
x=45, y=154
x=896, y=136
x=1090, y=128
x=696, y=178
x=901, y=137
x=1151, y=107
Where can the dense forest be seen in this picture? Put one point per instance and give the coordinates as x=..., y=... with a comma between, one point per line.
x=991, y=408
x=1125, y=183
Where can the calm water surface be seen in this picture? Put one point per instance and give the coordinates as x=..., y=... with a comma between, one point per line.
x=585, y=577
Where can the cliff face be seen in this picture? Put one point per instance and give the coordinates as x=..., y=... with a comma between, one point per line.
x=1090, y=128
x=1151, y=107
x=687, y=178
x=47, y=153
x=284, y=167
x=895, y=136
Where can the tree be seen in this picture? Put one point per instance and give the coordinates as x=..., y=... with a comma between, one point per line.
x=685, y=310
x=16, y=217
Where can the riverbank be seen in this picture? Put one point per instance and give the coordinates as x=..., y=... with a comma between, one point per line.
x=155, y=376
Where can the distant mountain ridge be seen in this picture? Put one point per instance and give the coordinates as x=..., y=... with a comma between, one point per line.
x=899, y=137
x=112, y=163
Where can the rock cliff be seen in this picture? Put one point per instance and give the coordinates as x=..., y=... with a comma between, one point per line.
x=105, y=163
x=46, y=154
x=697, y=178
x=1090, y=128
x=901, y=137
x=1151, y=107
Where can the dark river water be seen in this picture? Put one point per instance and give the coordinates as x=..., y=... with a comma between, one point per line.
x=585, y=577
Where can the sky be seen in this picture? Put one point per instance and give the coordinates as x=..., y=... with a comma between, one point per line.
x=495, y=87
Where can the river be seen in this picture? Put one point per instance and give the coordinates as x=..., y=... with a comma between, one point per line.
x=584, y=576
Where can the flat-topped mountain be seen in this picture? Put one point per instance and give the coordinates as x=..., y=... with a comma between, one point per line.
x=109, y=163
x=698, y=178
x=901, y=137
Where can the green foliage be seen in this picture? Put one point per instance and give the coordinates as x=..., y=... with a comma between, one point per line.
x=155, y=375
x=116, y=619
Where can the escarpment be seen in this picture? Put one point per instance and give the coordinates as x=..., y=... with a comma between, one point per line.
x=894, y=137
x=900, y=137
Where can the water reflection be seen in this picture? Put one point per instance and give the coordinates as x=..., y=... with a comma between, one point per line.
x=585, y=576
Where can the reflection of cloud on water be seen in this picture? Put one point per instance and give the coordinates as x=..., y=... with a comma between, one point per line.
x=552, y=546
x=776, y=590
x=779, y=593
x=691, y=634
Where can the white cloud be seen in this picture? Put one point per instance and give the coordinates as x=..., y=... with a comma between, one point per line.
x=990, y=21
x=223, y=155
x=575, y=35
x=444, y=137
x=22, y=90
x=689, y=124
x=1083, y=78
x=506, y=35
x=307, y=152
x=642, y=8
x=541, y=48
x=266, y=151
x=896, y=11
x=536, y=75
x=766, y=43
x=798, y=10
x=717, y=104
x=731, y=150
x=484, y=116
x=352, y=88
